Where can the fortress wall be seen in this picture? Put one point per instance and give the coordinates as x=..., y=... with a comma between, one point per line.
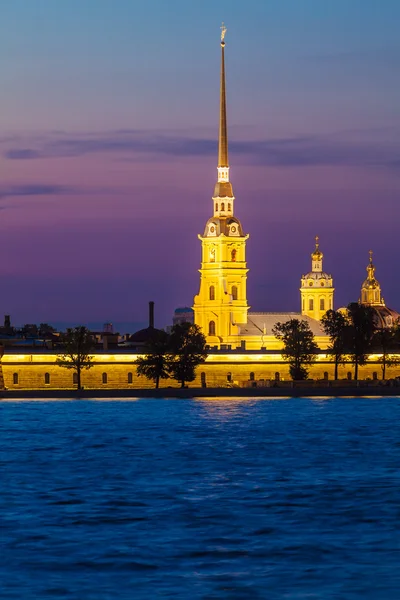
x=219, y=371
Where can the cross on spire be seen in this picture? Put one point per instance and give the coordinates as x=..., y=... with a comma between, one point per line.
x=223, y=32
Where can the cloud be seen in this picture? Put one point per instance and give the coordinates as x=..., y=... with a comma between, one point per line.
x=34, y=190
x=313, y=150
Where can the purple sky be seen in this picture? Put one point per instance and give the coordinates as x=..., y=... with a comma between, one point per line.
x=108, y=150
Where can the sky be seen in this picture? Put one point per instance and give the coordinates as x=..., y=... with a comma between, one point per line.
x=108, y=150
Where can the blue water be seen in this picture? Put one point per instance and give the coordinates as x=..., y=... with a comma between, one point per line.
x=232, y=499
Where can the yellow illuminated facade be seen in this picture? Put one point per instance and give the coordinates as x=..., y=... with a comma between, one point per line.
x=316, y=288
x=221, y=304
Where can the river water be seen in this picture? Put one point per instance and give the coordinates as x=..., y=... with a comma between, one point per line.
x=200, y=499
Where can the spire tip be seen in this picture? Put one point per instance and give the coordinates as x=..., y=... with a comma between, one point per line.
x=223, y=33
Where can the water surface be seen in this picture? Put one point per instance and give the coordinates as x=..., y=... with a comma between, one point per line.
x=207, y=499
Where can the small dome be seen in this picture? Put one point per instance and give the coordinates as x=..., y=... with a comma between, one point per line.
x=317, y=254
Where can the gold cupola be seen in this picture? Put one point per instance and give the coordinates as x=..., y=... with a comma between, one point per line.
x=317, y=256
x=371, y=294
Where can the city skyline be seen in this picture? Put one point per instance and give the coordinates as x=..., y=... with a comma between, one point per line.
x=108, y=160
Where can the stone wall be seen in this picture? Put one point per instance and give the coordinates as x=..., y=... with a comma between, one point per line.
x=112, y=372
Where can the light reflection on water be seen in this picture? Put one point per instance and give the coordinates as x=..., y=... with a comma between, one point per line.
x=202, y=499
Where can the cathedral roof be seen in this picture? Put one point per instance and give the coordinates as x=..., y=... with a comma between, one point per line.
x=223, y=189
x=223, y=226
x=262, y=323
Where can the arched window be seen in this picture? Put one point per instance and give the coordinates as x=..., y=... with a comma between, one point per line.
x=229, y=207
x=211, y=328
x=223, y=206
x=277, y=376
x=216, y=207
x=234, y=292
x=75, y=378
x=311, y=304
x=212, y=292
x=321, y=304
x=104, y=377
x=203, y=380
x=252, y=377
x=15, y=378
x=322, y=284
x=229, y=377
x=47, y=378
x=130, y=378
x=233, y=255
x=212, y=255
x=349, y=375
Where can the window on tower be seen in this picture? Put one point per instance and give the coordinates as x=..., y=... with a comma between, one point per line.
x=216, y=207
x=311, y=304
x=233, y=255
x=229, y=207
x=211, y=328
x=212, y=292
x=234, y=292
x=223, y=206
x=321, y=304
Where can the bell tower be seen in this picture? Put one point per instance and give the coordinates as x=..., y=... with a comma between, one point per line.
x=221, y=304
x=316, y=289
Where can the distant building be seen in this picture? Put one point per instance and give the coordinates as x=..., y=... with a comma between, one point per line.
x=183, y=315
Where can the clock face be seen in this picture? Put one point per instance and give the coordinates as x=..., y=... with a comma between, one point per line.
x=212, y=229
x=233, y=229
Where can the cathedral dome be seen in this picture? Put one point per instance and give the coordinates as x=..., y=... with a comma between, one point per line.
x=385, y=317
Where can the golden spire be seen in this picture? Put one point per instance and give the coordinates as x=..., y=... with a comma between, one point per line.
x=223, y=134
x=371, y=268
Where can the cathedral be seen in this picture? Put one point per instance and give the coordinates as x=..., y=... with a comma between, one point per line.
x=221, y=308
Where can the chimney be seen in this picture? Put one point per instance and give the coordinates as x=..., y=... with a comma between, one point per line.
x=151, y=315
x=7, y=321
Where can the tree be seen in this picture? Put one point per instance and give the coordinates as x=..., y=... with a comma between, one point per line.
x=156, y=363
x=78, y=343
x=360, y=333
x=386, y=343
x=188, y=349
x=335, y=325
x=299, y=347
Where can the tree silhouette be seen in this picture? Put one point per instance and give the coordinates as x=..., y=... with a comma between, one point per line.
x=156, y=362
x=360, y=333
x=299, y=347
x=188, y=350
x=387, y=343
x=335, y=325
x=78, y=343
